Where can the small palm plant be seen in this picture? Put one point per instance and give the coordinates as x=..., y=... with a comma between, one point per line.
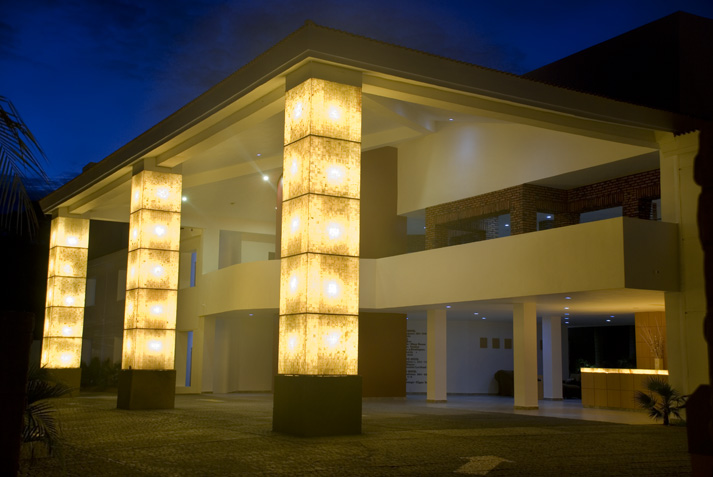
x=40, y=424
x=661, y=401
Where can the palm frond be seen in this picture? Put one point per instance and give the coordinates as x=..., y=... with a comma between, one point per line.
x=40, y=422
x=661, y=401
x=20, y=157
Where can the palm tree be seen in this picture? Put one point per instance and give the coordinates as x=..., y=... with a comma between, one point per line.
x=661, y=401
x=40, y=424
x=20, y=158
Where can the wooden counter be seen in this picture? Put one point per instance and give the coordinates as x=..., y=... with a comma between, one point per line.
x=615, y=388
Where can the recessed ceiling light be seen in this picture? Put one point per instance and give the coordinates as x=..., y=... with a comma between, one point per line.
x=475, y=313
x=566, y=322
x=265, y=177
x=507, y=225
x=450, y=119
x=566, y=308
x=184, y=198
x=484, y=318
x=258, y=154
x=608, y=320
x=448, y=306
x=568, y=298
x=251, y=314
x=549, y=216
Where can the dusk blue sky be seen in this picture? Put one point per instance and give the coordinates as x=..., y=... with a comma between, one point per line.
x=89, y=76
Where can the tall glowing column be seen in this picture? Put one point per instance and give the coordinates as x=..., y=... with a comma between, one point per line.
x=148, y=377
x=317, y=390
x=66, y=286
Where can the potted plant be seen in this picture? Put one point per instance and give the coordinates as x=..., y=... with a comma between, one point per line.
x=656, y=342
x=661, y=400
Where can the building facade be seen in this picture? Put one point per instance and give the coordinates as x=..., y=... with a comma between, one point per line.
x=495, y=212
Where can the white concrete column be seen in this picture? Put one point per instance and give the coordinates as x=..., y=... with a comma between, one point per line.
x=436, y=351
x=524, y=324
x=687, y=352
x=552, y=357
x=210, y=247
x=203, y=340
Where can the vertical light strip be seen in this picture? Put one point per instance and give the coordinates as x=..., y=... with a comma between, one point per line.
x=66, y=286
x=152, y=271
x=319, y=279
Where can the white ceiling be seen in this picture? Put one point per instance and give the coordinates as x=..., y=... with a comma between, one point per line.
x=591, y=308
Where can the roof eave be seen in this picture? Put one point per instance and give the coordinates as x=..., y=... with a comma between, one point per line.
x=321, y=43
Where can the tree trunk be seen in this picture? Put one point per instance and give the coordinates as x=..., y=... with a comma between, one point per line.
x=15, y=342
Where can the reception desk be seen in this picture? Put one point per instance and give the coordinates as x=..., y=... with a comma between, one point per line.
x=615, y=388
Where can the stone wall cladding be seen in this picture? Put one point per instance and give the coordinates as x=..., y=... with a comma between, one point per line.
x=634, y=193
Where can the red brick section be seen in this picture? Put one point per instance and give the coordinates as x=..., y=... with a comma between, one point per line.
x=634, y=193
x=468, y=216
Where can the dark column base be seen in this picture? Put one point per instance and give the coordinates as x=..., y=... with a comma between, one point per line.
x=698, y=422
x=311, y=406
x=70, y=377
x=146, y=389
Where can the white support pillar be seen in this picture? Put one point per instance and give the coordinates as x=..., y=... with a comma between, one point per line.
x=687, y=352
x=524, y=334
x=552, y=357
x=436, y=351
x=210, y=246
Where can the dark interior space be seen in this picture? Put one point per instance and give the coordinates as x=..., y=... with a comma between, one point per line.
x=602, y=347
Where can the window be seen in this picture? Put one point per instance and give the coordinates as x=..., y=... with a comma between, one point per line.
x=194, y=260
x=601, y=214
x=545, y=220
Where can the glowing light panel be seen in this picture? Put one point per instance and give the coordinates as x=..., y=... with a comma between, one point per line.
x=319, y=276
x=152, y=271
x=66, y=287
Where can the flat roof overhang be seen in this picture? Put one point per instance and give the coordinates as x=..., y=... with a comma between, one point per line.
x=256, y=91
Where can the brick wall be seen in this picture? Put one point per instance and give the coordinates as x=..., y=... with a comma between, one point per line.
x=445, y=223
x=483, y=206
x=634, y=193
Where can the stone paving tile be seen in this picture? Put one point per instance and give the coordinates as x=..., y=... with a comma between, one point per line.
x=217, y=435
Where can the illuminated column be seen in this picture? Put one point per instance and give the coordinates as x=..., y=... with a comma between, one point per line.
x=148, y=377
x=436, y=351
x=552, y=357
x=319, y=279
x=66, y=286
x=524, y=334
